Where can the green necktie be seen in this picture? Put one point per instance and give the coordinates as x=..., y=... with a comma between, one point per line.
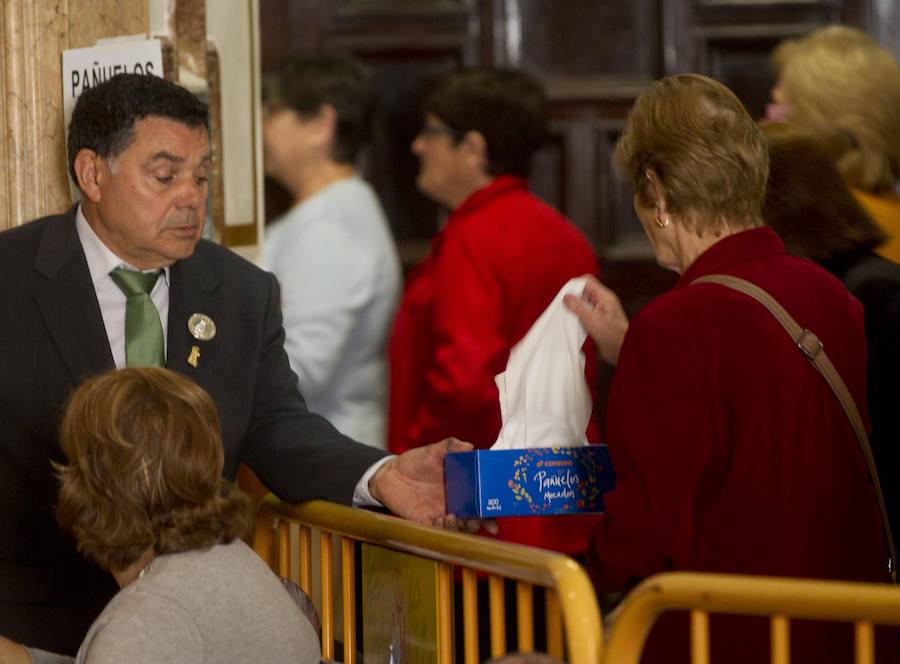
x=143, y=331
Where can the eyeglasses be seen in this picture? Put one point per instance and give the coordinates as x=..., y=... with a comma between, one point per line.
x=440, y=130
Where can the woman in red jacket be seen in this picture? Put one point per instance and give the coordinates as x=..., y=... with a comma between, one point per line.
x=731, y=452
x=500, y=260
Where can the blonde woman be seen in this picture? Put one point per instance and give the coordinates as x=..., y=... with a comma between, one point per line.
x=844, y=88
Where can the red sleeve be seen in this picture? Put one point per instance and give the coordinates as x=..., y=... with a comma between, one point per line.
x=460, y=397
x=661, y=428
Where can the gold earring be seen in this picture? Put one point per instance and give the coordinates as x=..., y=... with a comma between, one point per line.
x=662, y=222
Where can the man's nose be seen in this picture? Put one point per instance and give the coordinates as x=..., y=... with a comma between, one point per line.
x=193, y=194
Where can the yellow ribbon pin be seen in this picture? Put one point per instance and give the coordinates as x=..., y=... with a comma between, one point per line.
x=194, y=357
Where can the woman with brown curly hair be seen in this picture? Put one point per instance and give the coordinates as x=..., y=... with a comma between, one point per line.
x=143, y=495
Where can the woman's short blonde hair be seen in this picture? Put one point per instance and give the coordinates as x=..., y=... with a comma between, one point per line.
x=704, y=147
x=844, y=88
x=145, y=458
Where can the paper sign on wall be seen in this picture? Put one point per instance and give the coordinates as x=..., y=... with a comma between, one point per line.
x=85, y=68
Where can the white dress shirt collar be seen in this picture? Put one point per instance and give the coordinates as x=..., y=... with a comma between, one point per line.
x=100, y=259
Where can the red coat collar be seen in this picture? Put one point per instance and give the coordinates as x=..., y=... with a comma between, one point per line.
x=747, y=245
x=497, y=187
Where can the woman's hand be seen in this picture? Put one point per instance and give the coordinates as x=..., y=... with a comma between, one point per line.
x=602, y=315
x=13, y=653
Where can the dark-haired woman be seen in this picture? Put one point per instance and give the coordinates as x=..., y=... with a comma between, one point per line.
x=810, y=207
x=492, y=270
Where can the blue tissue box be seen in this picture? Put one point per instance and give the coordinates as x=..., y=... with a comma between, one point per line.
x=528, y=482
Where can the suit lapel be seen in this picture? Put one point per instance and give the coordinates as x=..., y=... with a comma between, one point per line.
x=192, y=290
x=68, y=301
x=68, y=304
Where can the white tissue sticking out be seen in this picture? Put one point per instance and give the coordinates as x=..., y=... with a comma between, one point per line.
x=544, y=397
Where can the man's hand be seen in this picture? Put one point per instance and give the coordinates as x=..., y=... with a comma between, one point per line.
x=412, y=486
x=602, y=315
x=13, y=653
x=471, y=525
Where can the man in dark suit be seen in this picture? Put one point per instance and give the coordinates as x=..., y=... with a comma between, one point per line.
x=139, y=151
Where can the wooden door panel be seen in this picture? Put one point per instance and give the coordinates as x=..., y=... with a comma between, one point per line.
x=593, y=56
x=579, y=37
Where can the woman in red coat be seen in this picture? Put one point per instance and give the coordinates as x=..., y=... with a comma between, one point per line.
x=731, y=452
x=497, y=264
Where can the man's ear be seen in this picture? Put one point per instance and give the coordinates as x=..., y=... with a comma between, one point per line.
x=90, y=170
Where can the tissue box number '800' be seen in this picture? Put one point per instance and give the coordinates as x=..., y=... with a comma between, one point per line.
x=528, y=482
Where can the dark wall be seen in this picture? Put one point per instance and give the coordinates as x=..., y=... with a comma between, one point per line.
x=594, y=56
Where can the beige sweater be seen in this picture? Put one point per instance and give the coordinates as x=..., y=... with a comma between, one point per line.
x=219, y=605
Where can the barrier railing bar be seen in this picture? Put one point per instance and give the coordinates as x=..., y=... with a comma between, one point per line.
x=470, y=615
x=524, y=563
x=760, y=595
x=554, y=625
x=445, y=614
x=781, y=640
x=284, y=549
x=327, y=596
x=264, y=535
x=348, y=598
x=497, y=604
x=306, y=560
x=699, y=637
x=525, y=616
x=865, y=642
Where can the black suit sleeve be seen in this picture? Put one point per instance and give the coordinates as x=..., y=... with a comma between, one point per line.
x=298, y=455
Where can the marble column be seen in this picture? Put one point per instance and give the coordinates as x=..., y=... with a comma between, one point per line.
x=33, y=167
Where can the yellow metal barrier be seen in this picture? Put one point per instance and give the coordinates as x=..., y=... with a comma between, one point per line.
x=571, y=607
x=781, y=599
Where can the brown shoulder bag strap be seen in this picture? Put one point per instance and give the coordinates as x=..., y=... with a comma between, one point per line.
x=814, y=351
